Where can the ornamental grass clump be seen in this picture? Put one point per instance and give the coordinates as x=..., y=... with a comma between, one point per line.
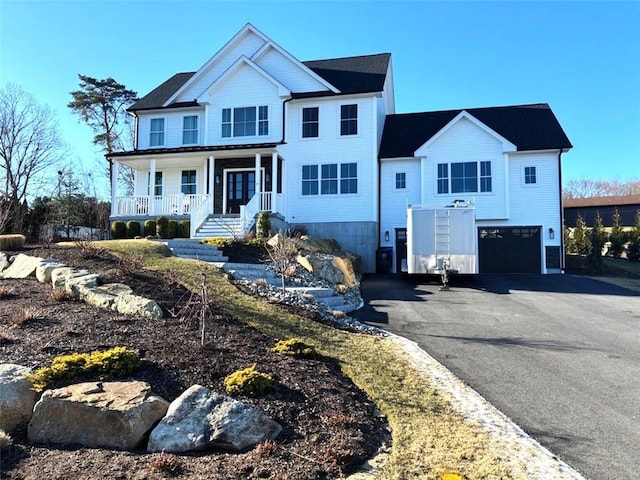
x=295, y=347
x=12, y=241
x=249, y=381
x=116, y=362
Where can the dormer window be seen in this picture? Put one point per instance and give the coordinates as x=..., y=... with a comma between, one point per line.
x=156, y=132
x=245, y=121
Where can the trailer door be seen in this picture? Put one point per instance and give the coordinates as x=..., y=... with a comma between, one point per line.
x=509, y=249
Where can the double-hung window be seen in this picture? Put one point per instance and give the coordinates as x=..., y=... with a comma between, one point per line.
x=330, y=179
x=190, y=130
x=349, y=119
x=309, y=179
x=464, y=177
x=156, y=132
x=189, y=182
x=245, y=121
x=348, y=178
x=157, y=185
x=310, y=122
x=401, y=180
x=530, y=176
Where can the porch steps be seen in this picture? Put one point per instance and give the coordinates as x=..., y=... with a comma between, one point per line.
x=225, y=227
x=193, y=249
x=253, y=272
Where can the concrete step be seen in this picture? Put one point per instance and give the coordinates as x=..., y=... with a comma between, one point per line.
x=193, y=249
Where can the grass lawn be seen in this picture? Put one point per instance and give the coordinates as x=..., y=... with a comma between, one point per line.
x=430, y=437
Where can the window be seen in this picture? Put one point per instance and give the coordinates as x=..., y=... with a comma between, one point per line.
x=226, y=122
x=245, y=121
x=401, y=180
x=157, y=186
x=348, y=178
x=329, y=182
x=263, y=120
x=485, y=176
x=349, y=119
x=309, y=180
x=310, y=117
x=190, y=130
x=463, y=177
x=530, y=176
x=189, y=182
x=443, y=178
x=156, y=132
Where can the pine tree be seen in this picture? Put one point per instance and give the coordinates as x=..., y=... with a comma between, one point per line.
x=597, y=237
x=617, y=236
x=569, y=241
x=581, y=236
x=634, y=245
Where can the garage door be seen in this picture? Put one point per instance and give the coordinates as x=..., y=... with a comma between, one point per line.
x=509, y=249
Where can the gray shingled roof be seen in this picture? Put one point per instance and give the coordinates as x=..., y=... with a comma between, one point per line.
x=349, y=75
x=529, y=127
x=156, y=97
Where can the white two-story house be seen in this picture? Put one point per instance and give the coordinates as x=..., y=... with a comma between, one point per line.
x=318, y=143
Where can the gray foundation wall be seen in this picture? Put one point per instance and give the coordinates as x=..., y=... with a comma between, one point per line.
x=356, y=237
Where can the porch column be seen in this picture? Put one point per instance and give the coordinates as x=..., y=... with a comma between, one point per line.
x=115, y=168
x=274, y=181
x=258, y=179
x=211, y=179
x=152, y=186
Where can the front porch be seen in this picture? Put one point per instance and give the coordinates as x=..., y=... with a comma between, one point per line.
x=190, y=186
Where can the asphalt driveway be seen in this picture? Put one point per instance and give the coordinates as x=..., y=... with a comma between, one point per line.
x=558, y=354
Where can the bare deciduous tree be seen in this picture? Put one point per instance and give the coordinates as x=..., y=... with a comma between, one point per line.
x=587, y=188
x=29, y=144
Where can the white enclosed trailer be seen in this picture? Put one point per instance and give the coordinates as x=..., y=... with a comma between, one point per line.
x=442, y=240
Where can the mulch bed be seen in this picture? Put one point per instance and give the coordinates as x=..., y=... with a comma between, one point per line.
x=330, y=427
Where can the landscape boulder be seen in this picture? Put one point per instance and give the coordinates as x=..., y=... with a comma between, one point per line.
x=4, y=261
x=77, y=282
x=23, y=266
x=44, y=269
x=16, y=397
x=201, y=418
x=60, y=275
x=103, y=296
x=129, y=304
x=100, y=415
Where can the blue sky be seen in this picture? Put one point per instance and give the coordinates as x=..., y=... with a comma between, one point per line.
x=583, y=58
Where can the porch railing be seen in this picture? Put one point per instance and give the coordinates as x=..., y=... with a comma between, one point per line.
x=199, y=214
x=258, y=203
x=178, y=204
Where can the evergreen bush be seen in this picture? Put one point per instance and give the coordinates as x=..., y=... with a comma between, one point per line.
x=172, y=229
x=118, y=230
x=184, y=229
x=150, y=228
x=162, y=227
x=249, y=381
x=263, y=227
x=133, y=229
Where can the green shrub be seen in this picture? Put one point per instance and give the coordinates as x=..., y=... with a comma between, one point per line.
x=133, y=229
x=172, y=229
x=263, y=228
x=118, y=230
x=256, y=242
x=150, y=228
x=116, y=362
x=12, y=241
x=219, y=242
x=293, y=346
x=249, y=381
x=162, y=227
x=184, y=230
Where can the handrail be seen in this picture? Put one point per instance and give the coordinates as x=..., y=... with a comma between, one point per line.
x=258, y=203
x=199, y=213
x=177, y=204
